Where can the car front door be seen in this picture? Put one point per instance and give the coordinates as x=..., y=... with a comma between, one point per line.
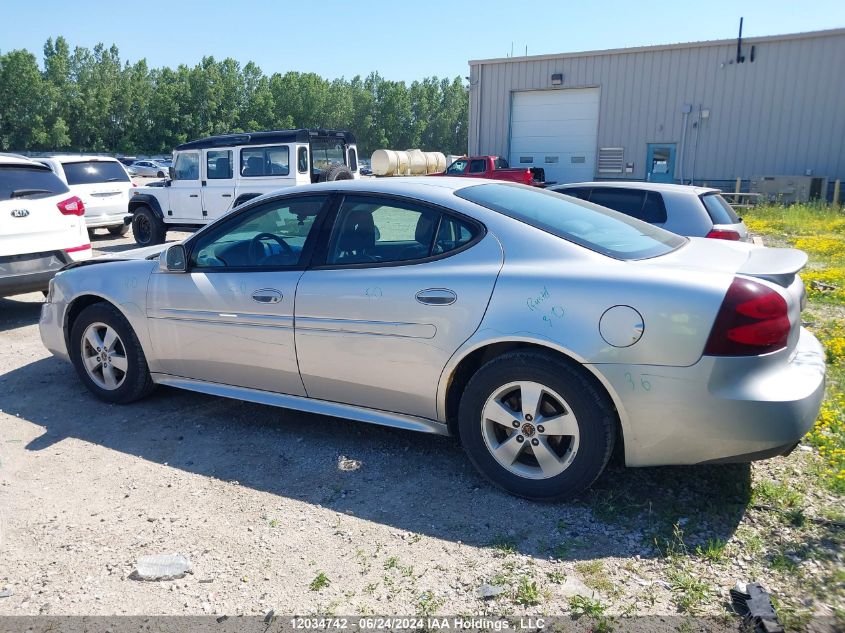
x=218, y=185
x=185, y=201
x=229, y=319
x=397, y=289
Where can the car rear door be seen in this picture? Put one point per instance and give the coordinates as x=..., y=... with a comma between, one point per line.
x=218, y=184
x=400, y=287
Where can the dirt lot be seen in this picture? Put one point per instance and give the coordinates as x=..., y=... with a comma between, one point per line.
x=305, y=514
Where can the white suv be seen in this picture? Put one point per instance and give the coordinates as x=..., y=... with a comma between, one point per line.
x=41, y=226
x=213, y=175
x=102, y=183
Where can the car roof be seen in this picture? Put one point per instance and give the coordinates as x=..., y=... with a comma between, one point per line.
x=638, y=184
x=75, y=158
x=17, y=159
x=302, y=135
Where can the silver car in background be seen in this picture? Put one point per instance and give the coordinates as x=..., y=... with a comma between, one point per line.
x=148, y=168
x=541, y=330
x=682, y=209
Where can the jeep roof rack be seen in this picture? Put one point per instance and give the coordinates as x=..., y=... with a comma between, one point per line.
x=302, y=135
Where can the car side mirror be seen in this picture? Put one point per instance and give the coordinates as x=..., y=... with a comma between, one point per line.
x=171, y=172
x=173, y=259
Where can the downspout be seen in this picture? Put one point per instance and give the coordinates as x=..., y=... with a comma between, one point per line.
x=697, y=127
x=686, y=111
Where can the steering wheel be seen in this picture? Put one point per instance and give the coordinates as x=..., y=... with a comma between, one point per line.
x=256, y=248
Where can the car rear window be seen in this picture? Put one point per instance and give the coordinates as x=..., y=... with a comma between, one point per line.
x=575, y=192
x=29, y=181
x=94, y=171
x=718, y=209
x=644, y=205
x=599, y=229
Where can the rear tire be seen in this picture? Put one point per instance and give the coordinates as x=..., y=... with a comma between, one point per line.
x=120, y=231
x=108, y=356
x=536, y=426
x=147, y=228
x=160, y=174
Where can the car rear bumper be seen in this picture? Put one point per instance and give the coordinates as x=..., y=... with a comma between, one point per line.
x=101, y=220
x=29, y=272
x=720, y=409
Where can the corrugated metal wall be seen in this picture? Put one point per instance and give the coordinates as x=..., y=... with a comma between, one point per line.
x=782, y=114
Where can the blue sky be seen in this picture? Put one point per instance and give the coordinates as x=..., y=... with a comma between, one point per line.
x=400, y=40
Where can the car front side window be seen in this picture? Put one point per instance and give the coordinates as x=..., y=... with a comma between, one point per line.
x=275, y=234
x=187, y=166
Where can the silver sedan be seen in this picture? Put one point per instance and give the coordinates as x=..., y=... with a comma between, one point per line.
x=542, y=330
x=149, y=168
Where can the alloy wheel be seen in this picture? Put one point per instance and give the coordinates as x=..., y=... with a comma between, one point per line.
x=104, y=356
x=530, y=430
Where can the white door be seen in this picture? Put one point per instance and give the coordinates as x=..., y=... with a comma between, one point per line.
x=556, y=130
x=218, y=185
x=185, y=201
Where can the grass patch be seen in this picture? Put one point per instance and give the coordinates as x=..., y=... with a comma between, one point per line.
x=557, y=577
x=527, y=592
x=689, y=592
x=581, y=606
x=321, y=581
x=713, y=550
x=504, y=545
x=594, y=575
x=819, y=230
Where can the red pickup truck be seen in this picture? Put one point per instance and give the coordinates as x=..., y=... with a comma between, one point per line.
x=497, y=168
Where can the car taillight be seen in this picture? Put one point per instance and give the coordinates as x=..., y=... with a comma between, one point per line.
x=71, y=206
x=753, y=320
x=77, y=249
x=724, y=234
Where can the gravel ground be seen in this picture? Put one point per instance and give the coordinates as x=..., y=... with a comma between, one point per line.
x=305, y=514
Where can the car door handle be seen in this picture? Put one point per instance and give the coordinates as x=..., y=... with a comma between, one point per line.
x=226, y=195
x=436, y=296
x=194, y=195
x=267, y=295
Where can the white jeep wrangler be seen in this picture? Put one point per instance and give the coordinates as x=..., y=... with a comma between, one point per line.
x=215, y=174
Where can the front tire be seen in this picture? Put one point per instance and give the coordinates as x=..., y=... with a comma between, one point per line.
x=108, y=356
x=536, y=426
x=147, y=228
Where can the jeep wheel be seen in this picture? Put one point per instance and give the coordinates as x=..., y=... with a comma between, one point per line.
x=147, y=228
x=536, y=426
x=336, y=172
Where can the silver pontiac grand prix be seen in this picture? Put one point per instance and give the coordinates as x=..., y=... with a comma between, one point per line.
x=540, y=329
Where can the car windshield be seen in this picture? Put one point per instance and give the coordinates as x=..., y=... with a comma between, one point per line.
x=94, y=171
x=599, y=229
x=719, y=209
x=29, y=181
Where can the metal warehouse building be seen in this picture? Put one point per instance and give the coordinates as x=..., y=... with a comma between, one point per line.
x=703, y=112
